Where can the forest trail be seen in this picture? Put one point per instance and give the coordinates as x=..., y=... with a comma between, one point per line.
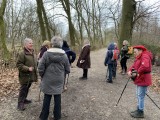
x=92, y=99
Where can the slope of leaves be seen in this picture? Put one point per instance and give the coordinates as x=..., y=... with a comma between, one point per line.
x=8, y=82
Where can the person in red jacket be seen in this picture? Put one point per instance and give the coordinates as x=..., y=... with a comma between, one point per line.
x=140, y=72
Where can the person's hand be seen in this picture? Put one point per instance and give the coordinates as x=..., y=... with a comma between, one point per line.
x=82, y=61
x=31, y=69
x=129, y=73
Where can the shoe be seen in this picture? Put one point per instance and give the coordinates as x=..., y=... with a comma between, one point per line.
x=83, y=78
x=27, y=101
x=137, y=114
x=20, y=107
x=109, y=81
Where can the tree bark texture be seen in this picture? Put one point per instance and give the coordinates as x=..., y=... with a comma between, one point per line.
x=41, y=21
x=66, y=6
x=126, y=25
x=3, y=47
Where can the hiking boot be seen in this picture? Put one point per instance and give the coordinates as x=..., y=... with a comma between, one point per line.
x=20, y=107
x=109, y=81
x=137, y=114
x=27, y=101
x=83, y=78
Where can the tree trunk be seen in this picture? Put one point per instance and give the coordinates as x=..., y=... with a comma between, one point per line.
x=128, y=10
x=40, y=17
x=46, y=20
x=78, y=8
x=3, y=47
x=66, y=7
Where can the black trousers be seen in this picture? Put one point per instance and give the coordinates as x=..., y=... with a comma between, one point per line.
x=124, y=64
x=46, y=105
x=23, y=92
x=85, y=73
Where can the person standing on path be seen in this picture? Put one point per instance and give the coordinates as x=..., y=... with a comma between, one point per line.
x=52, y=68
x=27, y=67
x=124, y=57
x=115, y=59
x=109, y=62
x=45, y=46
x=140, y=72
x=84, y=61
x=71, y=57
x=70, y=54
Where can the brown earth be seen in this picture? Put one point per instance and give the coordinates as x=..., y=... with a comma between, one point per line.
x=91, y=99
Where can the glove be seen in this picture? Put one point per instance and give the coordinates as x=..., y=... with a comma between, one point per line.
x=134, y=74
x=82, y=61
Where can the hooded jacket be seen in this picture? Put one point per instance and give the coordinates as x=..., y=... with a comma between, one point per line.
x=109, y=54
x=143, y=66
x=52, y=68
x=70, y=54
x=84, y=55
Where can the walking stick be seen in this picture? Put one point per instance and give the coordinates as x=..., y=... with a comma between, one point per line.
x=122, y=91
x=153, y=101
x=65, y=83
x=107, y=72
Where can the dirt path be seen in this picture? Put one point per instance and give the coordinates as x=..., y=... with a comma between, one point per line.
x=93, y=99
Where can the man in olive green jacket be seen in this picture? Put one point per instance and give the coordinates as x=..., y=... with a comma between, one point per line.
x=26, y=65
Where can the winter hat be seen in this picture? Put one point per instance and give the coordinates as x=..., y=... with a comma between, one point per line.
x=140, y=47
x=46, y=42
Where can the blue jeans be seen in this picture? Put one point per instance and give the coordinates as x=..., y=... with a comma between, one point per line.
x=46, y=105
x=141, y=92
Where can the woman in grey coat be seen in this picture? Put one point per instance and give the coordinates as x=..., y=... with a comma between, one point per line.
x=52, y=68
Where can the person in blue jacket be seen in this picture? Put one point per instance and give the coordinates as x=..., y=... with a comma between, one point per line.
x=108, y=61
x=70, y=54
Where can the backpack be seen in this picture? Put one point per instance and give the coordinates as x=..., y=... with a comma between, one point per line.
x=130, y=50
x=115, y=55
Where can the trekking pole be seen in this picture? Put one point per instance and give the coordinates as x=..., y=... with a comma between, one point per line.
x=122, y=91
x=65, y=83
x=153, y=101
x=107, y=72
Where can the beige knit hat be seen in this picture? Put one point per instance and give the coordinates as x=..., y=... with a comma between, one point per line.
x=46, y=42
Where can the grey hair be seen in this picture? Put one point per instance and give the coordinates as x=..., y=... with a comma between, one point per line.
x=86, y=41
x=125, y=42
x=27, y=40
x=57, y=42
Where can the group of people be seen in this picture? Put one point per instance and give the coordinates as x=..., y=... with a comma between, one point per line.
x=54, y=61
x=139, y=72
x=112, y=56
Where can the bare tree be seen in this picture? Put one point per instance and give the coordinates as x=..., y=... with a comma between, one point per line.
x=40, y=17
x=128, y=11
x=3, y=47
x=66, y=7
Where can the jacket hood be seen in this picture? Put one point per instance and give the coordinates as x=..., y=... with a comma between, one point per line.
x=148, y=53
x=65, y=46
x=55, y=54
x=111, y=46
